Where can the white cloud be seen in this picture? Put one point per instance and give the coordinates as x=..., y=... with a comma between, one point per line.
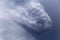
x=32, y=15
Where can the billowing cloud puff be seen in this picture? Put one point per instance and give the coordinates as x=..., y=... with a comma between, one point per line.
x=33, y=16
x=15, y=19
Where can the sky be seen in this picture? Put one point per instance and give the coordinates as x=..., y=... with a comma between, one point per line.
x=52, y=8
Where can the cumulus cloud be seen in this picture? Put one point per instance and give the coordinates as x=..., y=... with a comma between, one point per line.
x=13, y=17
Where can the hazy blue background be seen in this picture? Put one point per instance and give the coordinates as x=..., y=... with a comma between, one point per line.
x=52, y=7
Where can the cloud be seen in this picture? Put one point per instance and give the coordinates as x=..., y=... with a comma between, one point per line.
x=32, y=15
